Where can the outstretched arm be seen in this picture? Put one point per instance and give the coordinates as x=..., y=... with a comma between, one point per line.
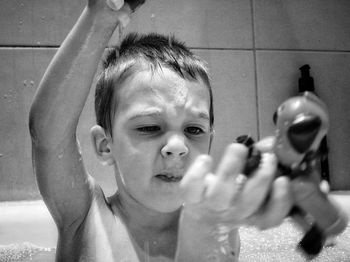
x=54, y=114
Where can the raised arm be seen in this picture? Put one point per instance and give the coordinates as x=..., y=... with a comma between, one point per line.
x=54, y=114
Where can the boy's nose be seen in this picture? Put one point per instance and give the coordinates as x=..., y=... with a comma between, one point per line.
x=175, y=147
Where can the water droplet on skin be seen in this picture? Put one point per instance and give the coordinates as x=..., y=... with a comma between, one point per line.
x=223, y=250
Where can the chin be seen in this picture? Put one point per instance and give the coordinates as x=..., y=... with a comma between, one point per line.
x=167, y=206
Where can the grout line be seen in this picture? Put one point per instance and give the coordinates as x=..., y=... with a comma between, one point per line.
x=254, y=49
x=255, y=70
x=302, y=50
x=221, y=48
x=270, y=49
x=28, y=46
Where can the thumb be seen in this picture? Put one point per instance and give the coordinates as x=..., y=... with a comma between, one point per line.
x=193, y=184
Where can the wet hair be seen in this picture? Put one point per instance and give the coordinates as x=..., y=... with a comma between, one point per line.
x=134, y=53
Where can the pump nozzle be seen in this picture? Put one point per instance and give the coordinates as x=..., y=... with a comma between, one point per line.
x=306, y=82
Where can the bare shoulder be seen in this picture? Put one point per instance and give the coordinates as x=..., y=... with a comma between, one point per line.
x=101, y=237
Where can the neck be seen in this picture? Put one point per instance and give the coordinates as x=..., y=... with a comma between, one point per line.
x=140, y=217
x=154, y=233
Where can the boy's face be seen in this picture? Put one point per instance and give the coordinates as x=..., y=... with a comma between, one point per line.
x=161, y=125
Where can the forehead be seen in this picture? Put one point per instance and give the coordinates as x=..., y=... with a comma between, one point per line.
x=163, y=88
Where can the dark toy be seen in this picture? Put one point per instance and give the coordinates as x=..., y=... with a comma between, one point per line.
x=301, y=124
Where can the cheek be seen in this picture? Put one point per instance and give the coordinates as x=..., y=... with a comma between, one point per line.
x=132, y=162
x=202, y=146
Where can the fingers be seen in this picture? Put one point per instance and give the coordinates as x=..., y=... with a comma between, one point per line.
x=238, y=198
x=221, y=187
x=266, y=144
x=259, y=185
x=193, y=184
x=232, y=162
x=260, y=199
x=277, y=207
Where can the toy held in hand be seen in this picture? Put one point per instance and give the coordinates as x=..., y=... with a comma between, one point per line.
x=301, y=124
x=117, y=4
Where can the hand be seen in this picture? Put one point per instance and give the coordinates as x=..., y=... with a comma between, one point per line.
x=230, y=197
x=120, y=9
x=117, y=4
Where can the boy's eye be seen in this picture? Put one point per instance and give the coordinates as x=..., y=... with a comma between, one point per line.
x=193, y=130
x=148, y=129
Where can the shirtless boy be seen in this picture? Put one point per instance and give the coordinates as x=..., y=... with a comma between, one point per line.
x=154, y=126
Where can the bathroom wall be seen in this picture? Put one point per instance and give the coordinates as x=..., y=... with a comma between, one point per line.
x=253, y=48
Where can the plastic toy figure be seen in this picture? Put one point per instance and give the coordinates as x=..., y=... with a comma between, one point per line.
x=301, y=124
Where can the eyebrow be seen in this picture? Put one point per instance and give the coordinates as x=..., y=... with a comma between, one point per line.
x=200, y=114
x=154, y=112
x=203, y=116
x=150, y=112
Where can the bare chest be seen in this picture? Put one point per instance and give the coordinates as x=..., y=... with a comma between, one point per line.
x=104, y=237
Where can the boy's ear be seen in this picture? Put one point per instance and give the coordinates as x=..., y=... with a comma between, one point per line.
x=102, y=145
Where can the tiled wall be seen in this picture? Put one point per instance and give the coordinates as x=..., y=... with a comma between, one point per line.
x=254, y=50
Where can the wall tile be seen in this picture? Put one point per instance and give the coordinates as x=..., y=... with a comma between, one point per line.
x=232, y=74
x=300, y=24
x=278, y=79
x=200, y=23
x=19, y=72
x=37, y=22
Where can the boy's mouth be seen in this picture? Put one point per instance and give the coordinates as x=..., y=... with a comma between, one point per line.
x=169, y=177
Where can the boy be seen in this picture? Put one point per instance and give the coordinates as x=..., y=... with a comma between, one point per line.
x=155, y=120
